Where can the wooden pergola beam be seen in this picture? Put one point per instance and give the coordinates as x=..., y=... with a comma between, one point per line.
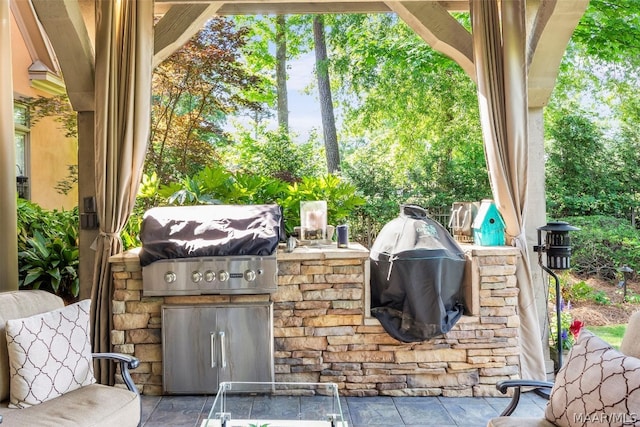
x=276, y=7
x=549, y=36
x=64, y=23
x=178, y=25
x=440, y=30
x=301, y=8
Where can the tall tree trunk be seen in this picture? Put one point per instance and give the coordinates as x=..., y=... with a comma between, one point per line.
x=281, y=72
x=324, y=90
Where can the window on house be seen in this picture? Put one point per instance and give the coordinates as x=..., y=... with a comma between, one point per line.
x=21, y=124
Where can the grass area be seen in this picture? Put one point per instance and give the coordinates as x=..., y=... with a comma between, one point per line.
x=610, y=333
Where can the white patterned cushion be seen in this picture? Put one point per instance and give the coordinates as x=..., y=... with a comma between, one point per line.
x=49, y=354
x=597, y=386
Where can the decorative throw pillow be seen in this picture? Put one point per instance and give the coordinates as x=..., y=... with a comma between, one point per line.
x=597, y=386
x=631, y=342
x=49, y=354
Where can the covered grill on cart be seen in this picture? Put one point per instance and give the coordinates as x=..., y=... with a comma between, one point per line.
x=417, y=271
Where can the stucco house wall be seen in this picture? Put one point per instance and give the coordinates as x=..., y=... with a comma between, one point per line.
x=50, y=151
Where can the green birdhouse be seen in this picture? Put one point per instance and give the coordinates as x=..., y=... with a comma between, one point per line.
x=488, y=225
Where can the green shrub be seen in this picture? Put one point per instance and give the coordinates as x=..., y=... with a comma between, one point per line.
x=631, y=297
x=340, y=196
x=580, y=291
x=48, y=256
x=603, y=245
x=216, y=185
x=601, y=298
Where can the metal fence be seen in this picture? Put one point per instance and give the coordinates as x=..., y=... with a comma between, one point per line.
x=365, y=229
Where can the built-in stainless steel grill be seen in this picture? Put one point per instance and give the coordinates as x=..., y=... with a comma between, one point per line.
x=219, y=249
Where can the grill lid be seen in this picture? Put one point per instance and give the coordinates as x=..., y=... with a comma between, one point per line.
x=209, y=230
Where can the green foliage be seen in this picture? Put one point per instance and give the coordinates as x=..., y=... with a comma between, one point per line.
x=577, y=171
x=48, y=256
x=569, y=328
x=594, y=108
x=64, y=186
x=580, y=291
x=610, y=30
x=340, y=196
x=601, y=298
x=603, y=245
x=273, y=153
x=216, y=185
x=58, y=107
x=406, y=141
x=193, y=92
x=631, y=297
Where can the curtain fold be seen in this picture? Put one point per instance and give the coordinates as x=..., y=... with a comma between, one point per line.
x=499, y=34
x=8, y=219
x=124, y=54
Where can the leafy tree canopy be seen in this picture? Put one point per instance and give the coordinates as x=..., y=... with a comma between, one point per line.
x=194, y=91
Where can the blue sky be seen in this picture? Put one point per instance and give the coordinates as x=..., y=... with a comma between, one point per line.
x=304, y=108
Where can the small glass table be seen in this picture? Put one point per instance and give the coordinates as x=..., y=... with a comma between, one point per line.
x=276, y=404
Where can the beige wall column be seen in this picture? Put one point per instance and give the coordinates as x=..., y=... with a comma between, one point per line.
x=8, y=219
x=86, y=188
x=536, y=217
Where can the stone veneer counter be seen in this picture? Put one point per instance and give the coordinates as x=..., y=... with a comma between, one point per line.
x=323, y=331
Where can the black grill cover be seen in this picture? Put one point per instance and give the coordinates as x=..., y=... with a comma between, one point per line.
x=417, y=270
x=209, y=230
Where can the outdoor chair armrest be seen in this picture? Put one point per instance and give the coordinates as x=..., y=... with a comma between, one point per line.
x=126, y=362
x=504, y=386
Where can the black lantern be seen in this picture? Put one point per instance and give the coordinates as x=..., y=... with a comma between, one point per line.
x=558, y=248
x=22, y=184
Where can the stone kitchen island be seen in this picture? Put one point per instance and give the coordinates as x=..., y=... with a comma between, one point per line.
x=323, y=331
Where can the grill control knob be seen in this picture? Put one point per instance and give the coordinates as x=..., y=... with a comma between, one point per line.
x=223, y=276
x=209, y=276
x=170, y=277
x=196, y=276
x=250, y=275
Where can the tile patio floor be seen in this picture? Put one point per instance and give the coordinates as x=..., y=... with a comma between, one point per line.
x=178, y=411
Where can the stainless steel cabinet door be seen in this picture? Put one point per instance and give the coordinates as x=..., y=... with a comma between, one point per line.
x=188, y=347
x=205, y=344
x=246, y=343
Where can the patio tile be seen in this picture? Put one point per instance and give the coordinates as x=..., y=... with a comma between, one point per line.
x=276, y=407
x=422, y=411
x=380, y=411
x=177, y=411
x=373, y=411
x=148, y=404
x=238, y=406
x=319, y=407
x=469, y=411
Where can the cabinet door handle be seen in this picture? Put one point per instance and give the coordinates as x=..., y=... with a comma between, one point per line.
x=212, y=336
x=222, y=349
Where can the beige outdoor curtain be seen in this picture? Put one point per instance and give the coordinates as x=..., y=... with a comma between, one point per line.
x=124, y=53
x=8, y=221
x=501, y=68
